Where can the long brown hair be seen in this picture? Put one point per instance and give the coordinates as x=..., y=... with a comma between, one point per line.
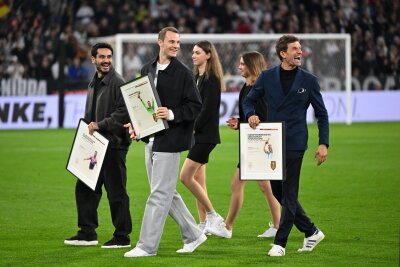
x=213, y=63
x=255, y=63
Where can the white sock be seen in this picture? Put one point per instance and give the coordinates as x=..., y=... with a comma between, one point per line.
x=211, y=213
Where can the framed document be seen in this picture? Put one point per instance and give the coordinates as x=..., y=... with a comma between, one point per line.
x=262, y=151
x=87, y=155
x=142, y=101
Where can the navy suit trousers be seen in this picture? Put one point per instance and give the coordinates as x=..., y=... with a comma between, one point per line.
x=286, y=192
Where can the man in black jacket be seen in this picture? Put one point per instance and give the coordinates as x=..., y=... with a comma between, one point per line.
x=106, y=112
x=181, y=104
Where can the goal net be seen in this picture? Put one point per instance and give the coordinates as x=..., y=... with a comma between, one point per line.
x=325, y=55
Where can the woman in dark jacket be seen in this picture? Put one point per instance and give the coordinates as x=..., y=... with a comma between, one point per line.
x=209, y=79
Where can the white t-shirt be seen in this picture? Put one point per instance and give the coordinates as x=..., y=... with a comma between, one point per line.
x=160, y=67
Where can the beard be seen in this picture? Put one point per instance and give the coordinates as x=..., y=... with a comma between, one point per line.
x=103, y=71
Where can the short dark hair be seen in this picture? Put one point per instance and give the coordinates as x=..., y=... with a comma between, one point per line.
x=282, y=44
x=101, y=45
x=161, y=34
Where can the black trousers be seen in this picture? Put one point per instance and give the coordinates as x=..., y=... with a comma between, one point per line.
x=113, y=176
x=286, y=192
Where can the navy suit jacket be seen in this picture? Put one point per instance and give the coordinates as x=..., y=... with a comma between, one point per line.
x=292, y=108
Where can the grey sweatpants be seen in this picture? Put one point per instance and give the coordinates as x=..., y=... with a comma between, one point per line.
x=162, y=171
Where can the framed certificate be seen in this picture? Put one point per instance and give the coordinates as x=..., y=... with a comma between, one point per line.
x=142, y=101
x=262, y=151
x=87, y=155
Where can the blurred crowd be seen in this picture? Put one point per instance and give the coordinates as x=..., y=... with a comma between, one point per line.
x=30, y=31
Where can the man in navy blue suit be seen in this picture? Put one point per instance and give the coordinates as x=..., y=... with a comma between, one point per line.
x=289, y=90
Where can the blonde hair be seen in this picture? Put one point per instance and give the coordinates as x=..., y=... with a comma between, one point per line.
x=255, y=63
x=213, y=63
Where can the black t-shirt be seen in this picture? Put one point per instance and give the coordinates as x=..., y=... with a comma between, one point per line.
x=287, y=78
x=97, y=81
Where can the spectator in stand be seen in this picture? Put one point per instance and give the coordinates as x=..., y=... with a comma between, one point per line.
x=105, y=29
x=44, y=70
x=15, y=70
x=76, y=71
x=132, y=62
x=23, y=23
x=85, y=13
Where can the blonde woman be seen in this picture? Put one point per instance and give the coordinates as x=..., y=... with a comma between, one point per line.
x=250, y=66
x=209, y=79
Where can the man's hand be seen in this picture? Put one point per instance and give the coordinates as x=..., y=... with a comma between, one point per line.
x=253, y=121
x=131, y=131
x=232, y=123
x=93, y=126
x=162, y=113
x=321, y=154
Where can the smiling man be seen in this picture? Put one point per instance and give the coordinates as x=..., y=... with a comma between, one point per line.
x=180, y=105
x=289, y=90
x=106, y=111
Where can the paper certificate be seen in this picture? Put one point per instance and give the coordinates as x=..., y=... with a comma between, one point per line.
x=87, y=155
x=142, y=102
x=262, y=153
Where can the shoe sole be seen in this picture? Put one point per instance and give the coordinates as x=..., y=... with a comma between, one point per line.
x=316, y=243
x=126, y=255
x=276, y=255
x=210, y=231
x=137, y=252
x=80, y=243
x=116, y=246
x=266, y=236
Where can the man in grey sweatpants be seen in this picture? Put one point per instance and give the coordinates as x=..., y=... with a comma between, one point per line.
x=180, y=105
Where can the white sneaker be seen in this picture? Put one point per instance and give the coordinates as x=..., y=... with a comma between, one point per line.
x=137, y=252
x=79, y=241
x=216, y=226
x=202, y=227
x=276, y=251
x=189, y=248
x=311, y=242
x=270, y=232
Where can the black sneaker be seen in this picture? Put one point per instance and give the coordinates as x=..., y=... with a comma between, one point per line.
x=117, y=243
x=79, y=241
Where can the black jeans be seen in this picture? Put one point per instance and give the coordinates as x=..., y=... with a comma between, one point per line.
x=113, y=176
x=286, y=192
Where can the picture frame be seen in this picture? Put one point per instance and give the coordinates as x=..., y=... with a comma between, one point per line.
x=142, y=101
x=87, y=155
x=262, y=151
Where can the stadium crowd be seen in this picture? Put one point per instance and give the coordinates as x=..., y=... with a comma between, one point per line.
x=30, y=31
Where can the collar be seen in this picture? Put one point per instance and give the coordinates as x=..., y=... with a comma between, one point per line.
x=106, y=79
x=171, y=67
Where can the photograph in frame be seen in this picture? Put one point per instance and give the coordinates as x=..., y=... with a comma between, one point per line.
x=262, y=151
x=142, y=101
x=87, y=155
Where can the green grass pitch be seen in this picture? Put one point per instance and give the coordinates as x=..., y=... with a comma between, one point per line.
x=353, y=197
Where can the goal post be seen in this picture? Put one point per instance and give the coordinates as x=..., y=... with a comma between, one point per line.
x=328, y=56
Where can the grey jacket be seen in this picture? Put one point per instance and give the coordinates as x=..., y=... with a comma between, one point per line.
x=111, y=113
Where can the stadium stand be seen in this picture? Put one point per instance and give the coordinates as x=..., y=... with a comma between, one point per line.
x=31, y=31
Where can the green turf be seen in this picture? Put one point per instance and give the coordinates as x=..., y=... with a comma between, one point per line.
x=353, y=198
